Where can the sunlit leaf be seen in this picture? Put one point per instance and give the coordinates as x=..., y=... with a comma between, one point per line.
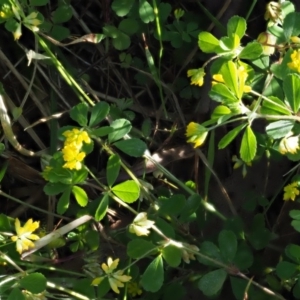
x=248, y=145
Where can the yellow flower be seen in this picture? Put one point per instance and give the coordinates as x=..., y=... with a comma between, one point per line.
x=289, y=144
x=291, y=191
x=196, y=134
x=295, y=63
x=72, y=154
x=197, y=76
x=295, y=39
x=24, y=235
x=134, y=289
x=115, y=279
x=141, y=225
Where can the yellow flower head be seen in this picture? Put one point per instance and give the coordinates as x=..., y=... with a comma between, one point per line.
x=197, y=76
x=134, y=289
x=24, y=235
x=72, y=154
x=196, y=134
x=295, y=63
x=115, y=279
x=295, y=39
x=291, y=191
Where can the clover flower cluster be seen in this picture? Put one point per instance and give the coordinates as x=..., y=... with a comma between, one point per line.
x=72, y=154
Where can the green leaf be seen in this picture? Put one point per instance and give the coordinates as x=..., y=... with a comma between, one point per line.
x=138, y=248
x=62, y=14
x=291, y=26
x=146, y=127
x=79, y=176
x=207, y=42
x=52, y=189
x=220, y=93
x=276, y=107
x=146, y=11
x=296, y=225
x=279, y=129
x=59, y=32
x=291, y=87
x=230, y=136
x=220, y=111
x=121, y=42
x=236, y=25
x=172, y=205
x=38, y=2
x=92, y=239
x=79, y=114
x=293, y=252
x=172, y=255
x=165, y=228
x=286, y=270
x=129, y=26
x=80, y=195
x=227, y=245
x=210, y=250
x=174, y=291
x=244, y=257
x=102, y=131
x=34, y=283
x=251, y=51
x=190, y=207
x=132, y=147
x=63, y=202
x=113, y=169
x=102, y=208
x=120, y=127
x=16, y=294
x=230, y=76
x=153, y=277
x=128, y=191
x=98, y=113
x=122, y=7
x=295, y=214
x=248, y=145
x=211, y=283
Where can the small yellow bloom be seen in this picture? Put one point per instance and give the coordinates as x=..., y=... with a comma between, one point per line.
x=295, y=63
x=72, y=154
x=291, y=191
x=134, y=289
x=197, y=76
x=24, y=235
x=295, y=39
x=289, y=145
x=196, y=134
x=178, y=13
x=218, y=78
x=115, y=279
x=141, y=225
